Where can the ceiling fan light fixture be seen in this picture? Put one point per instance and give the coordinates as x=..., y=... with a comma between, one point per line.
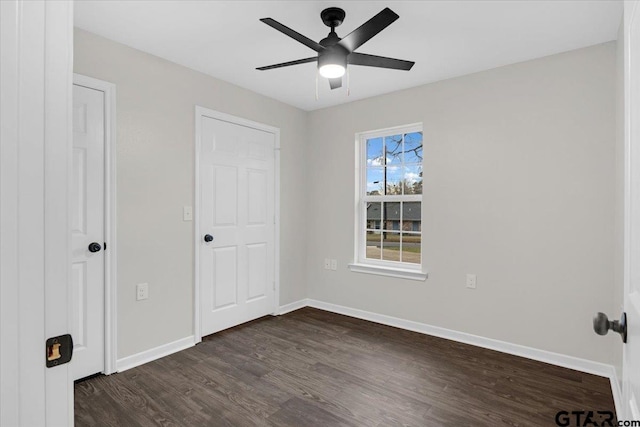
x=332, y=63
x=331, y=71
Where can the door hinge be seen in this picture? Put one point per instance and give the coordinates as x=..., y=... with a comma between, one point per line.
x=58, y=350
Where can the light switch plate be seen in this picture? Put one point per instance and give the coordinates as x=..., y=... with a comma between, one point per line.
x=334, y=264
x=187, y=213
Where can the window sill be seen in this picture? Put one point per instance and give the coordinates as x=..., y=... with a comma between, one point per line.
x=400, y=273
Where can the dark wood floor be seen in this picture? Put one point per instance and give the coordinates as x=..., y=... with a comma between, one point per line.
x=314, y=368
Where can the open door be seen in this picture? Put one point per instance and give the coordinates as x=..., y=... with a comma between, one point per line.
x=631, y=361
x=36, y=46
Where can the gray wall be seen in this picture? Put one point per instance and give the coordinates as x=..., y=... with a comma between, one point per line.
x=520, y=170
x=519, y=189
x=155, y=168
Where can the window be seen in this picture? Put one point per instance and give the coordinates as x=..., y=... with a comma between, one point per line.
x=389, y=217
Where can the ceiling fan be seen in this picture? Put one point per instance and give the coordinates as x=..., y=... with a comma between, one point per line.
x=335, y=53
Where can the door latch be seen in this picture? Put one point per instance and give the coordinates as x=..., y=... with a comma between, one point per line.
x=58, y=350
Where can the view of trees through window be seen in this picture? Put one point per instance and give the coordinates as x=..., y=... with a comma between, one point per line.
x=393, y=197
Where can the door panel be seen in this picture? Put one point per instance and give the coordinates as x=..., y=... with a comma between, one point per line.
x=226, y=281
x=257, y=197
x=257, y=266
x=226, y=196
x=87, y=226
x=631, y=362
x=237, y=193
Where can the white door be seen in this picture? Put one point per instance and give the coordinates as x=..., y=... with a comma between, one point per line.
x=631, y=364
x=236, y=268
x=36, y=51
x=87, y=232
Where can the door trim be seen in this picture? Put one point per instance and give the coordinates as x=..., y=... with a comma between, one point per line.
x=629, y=401
x=201, y=112
x=110, y=254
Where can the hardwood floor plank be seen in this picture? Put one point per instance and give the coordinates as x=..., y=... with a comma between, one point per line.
x=315, y=368
x=299, y=412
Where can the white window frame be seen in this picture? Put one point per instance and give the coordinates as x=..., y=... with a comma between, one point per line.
x=362, y=264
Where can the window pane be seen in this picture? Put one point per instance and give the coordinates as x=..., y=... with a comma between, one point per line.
x=375, y=181
x=390, y=246
x=374, y=152
x=413, y=179
x=374, y=246
x=394, y=149
x=413, y=147
x=394, y=180
x=374, y=215
x=391, y=215
x=411, y=216
x=411, y=248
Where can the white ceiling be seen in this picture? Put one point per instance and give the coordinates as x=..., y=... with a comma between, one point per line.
x=445, y=38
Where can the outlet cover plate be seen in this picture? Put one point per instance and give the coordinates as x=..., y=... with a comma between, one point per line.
x=471, y=281
x=142, y=291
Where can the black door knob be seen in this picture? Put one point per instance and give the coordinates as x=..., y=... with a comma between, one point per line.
x=602, y=324
x=94, y=247
x=208, y=238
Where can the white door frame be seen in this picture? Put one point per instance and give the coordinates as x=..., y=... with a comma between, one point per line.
x=110, y=254
x=201, y=112
x=629, y=410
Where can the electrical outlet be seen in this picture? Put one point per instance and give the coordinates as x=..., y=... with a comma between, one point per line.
x=334, y=264
x=471, y=281
x=142, y=291
x=327, y=264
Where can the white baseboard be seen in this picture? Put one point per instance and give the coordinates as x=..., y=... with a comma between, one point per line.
x=296, y=305
x=616, y=391
x=558, y=359
x=576, y=363
x=154, y=353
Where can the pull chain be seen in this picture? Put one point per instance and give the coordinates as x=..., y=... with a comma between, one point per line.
x=316, y=86
x=348, y=83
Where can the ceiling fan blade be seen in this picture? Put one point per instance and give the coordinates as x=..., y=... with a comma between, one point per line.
x=379, y=61
x=373, y=26
x=293, y=34
x=335, y=83
x=286, y=64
